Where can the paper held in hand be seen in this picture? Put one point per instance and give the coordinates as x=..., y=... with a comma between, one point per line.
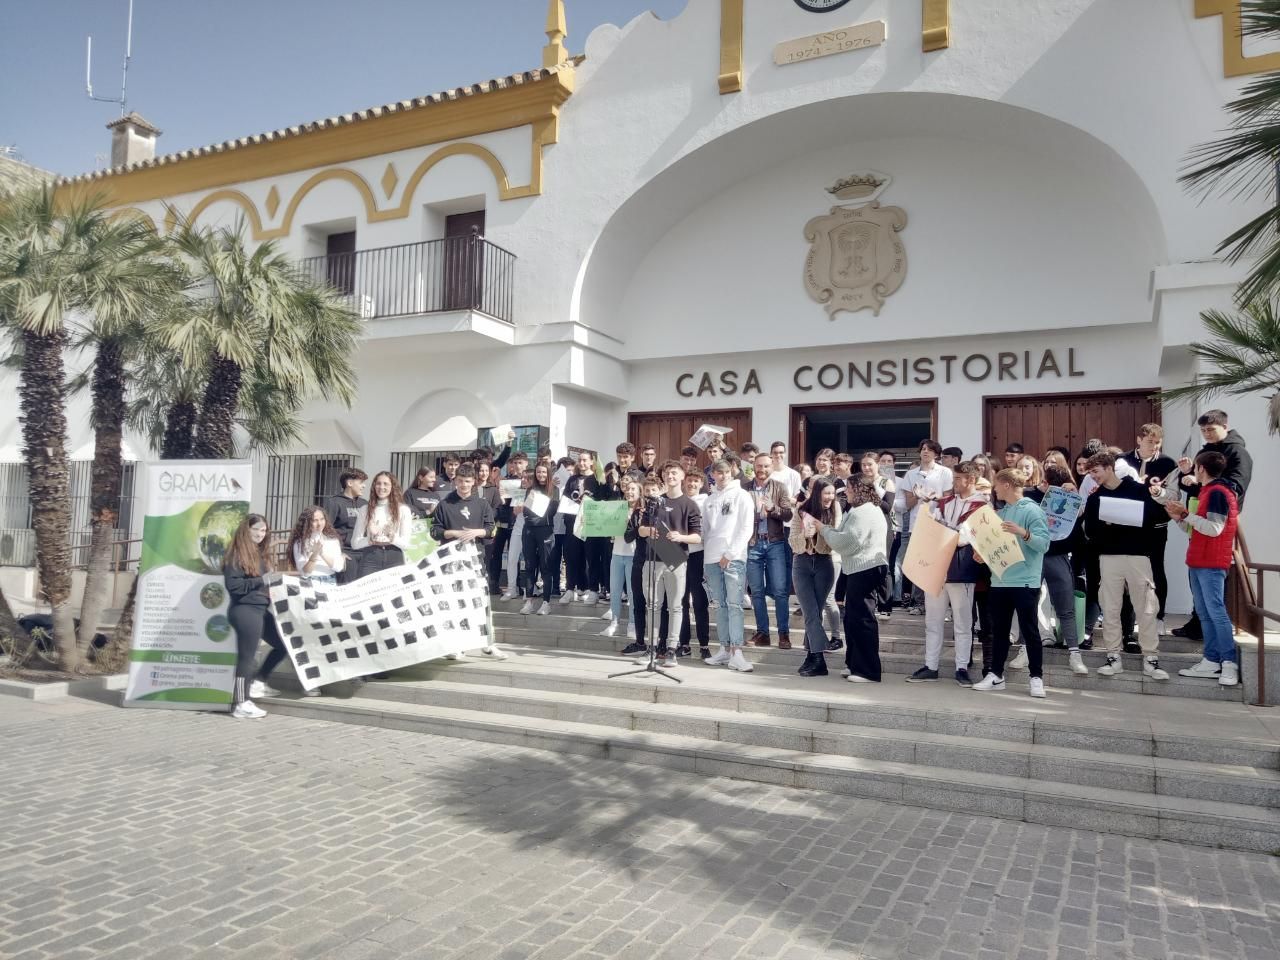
x=1126, y=513
x=502, y=433
x=929, y=554
x=570, y=508
x=706, y=433
x=997, y=547
x=537, y=503
x=605, y=518
x=510, y=487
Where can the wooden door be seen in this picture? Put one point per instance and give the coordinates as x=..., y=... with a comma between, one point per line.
x=669, y=431
x=1067, y=420
x=463, y=260
x=340, y=261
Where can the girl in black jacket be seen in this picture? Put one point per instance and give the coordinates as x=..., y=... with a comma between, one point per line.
x=539, y=539
x=244, y=570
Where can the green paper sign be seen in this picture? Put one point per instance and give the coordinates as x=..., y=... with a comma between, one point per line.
x=421, y=543
x=604, y=518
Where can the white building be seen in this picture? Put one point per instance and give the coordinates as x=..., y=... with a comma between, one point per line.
x=643, y=213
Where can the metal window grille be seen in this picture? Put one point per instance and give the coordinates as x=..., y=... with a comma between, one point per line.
x=294, y=482
x=17, y=541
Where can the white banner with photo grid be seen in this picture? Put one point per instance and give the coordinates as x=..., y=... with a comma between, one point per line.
x=387, y=620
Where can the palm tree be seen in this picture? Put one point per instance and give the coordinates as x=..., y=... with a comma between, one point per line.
x=260, y=328
x=1243, y=163
x=1243, y=356
x=124, y=279
x=35, y=294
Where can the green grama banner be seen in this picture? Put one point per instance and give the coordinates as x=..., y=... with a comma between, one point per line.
x=184, y=648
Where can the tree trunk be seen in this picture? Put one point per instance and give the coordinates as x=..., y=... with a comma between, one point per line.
x=218, y=410
x=179, y=431
x=114, y=657
x=42, y=393
x=104, y=498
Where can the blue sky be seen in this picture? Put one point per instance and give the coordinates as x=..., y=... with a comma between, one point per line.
x=209, y=70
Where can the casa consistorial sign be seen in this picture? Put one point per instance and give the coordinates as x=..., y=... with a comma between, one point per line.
x=856, y=256
x=841, y=40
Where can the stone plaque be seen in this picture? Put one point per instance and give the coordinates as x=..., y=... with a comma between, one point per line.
x=842, y=40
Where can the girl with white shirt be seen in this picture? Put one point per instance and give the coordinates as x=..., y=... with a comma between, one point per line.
x=620, y=565
x=316, y=548
x=383, y=528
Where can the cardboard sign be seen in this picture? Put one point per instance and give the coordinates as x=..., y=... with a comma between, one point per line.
x=998, y=548
x=1061, y=510
x=706, y=433
x=929, y=554
x=605, y=518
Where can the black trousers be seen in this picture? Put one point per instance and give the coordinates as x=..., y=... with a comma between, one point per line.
x=639, y=609
x=1004, y=603
x=501, y=541
x=885, y=601
x=253, y=624
x=350, y=573
x=861, y=628
x=375, y=558
x=539, y=549
x=557, y=555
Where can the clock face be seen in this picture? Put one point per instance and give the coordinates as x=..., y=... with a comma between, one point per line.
x=820, y=6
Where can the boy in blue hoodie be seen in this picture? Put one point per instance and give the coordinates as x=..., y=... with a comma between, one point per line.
x=1017, y=590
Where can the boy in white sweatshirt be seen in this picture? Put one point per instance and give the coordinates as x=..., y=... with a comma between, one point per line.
x=728, y=518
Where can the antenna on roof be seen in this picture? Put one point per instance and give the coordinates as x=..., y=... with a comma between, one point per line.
x=124, y=79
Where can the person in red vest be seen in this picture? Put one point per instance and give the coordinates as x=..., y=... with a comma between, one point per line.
x=1213, y=532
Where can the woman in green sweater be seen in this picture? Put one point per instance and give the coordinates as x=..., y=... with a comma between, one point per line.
x=860, y=538
x=1017, y=590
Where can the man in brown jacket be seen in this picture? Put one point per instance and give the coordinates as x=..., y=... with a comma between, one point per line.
x=767, y=555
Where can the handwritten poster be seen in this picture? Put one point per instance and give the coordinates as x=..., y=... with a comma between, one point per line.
x=929, y=554
x=999, y=549
x=1061, y=510
x=605, y=518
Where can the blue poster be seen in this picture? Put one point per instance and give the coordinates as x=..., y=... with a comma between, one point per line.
x=1061, y=508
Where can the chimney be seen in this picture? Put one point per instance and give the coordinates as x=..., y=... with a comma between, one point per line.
x=133, y=140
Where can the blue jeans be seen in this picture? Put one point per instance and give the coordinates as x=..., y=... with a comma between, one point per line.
x=724, y=586
x=1209, y=594
x=767, y=575
x=619, y=577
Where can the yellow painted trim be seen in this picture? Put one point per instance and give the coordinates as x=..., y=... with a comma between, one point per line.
x=1234, y=62
x=444, y=153
x=935, y=18
x=339, y=173
x=730, y=78
x=218, y=196
x=133, y=212
x=554, y=53
x=468, y=116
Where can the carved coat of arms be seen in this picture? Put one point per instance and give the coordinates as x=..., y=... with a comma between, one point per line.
x=856, y=258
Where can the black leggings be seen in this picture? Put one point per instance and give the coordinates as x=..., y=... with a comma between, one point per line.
x=1004, y=603
x=253, y=624
x=539, y=548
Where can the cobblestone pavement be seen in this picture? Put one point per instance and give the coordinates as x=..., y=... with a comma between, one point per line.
x=144, y=833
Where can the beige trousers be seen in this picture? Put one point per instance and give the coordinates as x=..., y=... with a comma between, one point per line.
x=1119, y=571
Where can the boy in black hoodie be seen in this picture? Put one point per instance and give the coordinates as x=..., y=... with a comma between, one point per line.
x=1124, y=554
x=342, y=510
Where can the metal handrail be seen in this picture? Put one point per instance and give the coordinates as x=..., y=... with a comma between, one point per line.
x=433, y=276
x=1252, y=602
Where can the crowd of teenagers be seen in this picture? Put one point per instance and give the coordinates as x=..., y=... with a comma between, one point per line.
x=724, y=529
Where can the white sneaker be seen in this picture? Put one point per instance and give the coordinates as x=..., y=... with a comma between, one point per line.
x=607, y=615
x=455, y=656
x=545, y=609
x=720, y=658
x=856, y=678
x=1077, y=664
x=1230, y=674
x=1036, y=686
x=669, y=661
x=631, y=631
x=989, y=683
x=1160, y=630
x=493, y=653
x=610, y=630
x=845, y=673
x=509, y=595
x=259, y=688
x=311, y=693
x=1204, y=670
x=1112, y=667
x=739, y=662
x=528, y=607
x=590, y=598
x=248, y=710
x=1151, y=667
x=568, y=597
x=1020, y=661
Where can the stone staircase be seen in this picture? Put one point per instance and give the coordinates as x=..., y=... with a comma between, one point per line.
x=1191, y=764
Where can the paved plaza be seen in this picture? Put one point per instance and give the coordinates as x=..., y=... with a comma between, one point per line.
x=142, y=833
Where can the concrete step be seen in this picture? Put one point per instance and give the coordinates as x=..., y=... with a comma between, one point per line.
x=1083, y=764
x=901, y=663
x=1117, y=811
x=900, y=628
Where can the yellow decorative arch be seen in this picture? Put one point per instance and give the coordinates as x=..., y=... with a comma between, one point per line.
x=133, y=212
x=231, y=196
x=486, y=156
x=335, y=173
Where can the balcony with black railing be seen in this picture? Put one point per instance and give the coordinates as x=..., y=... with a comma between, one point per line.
x=435, y=276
